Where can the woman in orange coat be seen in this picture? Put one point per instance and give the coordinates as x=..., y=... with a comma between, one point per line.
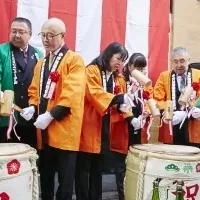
x=104, y=90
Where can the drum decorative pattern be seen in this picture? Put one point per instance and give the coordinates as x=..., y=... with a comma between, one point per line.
x=166, y=164
x=169, y=173
x=18, y=173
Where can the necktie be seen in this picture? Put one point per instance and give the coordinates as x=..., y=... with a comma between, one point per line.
x=51, y=57
x=182, y=83
x=25, y=56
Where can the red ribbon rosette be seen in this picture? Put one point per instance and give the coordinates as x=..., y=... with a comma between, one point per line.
x=117, y=89
x=54, y=76
x=196, y=86
x=146, y=95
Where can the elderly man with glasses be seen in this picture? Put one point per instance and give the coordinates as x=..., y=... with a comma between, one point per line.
x=17, y=62
x=169, y=86
x=57, y=95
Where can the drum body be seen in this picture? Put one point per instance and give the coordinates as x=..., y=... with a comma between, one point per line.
x=165, y=163
x=18, y=172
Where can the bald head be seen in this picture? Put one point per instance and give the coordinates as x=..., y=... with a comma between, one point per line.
x=52, y=34
x=54, y=24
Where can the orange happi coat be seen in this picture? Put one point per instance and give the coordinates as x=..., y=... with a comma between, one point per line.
x=96, y=103
x=69, y=92
x=162, y=92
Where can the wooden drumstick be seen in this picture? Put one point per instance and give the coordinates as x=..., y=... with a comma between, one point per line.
x=168, y=113
x=6, y=101
x=17, y=108
x=6, y=106
x=153, y=106
x=185, y=96
x=141, y=78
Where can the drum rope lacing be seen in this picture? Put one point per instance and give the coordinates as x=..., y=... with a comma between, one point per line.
x=140, y=183
x=33, y=160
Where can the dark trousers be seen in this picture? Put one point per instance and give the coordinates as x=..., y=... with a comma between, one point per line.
x=27, y=135
x=62, y=161
x=88, y=179
x=120, y=170
x=180, y=136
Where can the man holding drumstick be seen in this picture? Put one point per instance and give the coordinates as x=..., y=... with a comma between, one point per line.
x=169, y=86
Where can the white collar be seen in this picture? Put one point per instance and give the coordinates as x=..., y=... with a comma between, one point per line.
x=56, y=51
x=108, y=74
x=26, y=49
x=185, y=74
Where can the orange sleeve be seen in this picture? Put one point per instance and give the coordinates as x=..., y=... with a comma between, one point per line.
x=99, y=98
x=159, y=92
x=150, y=90
x=73, y=81
x=33, y=90
x=123, y=86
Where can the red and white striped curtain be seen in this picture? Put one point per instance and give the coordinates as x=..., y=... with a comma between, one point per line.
x=141, y=25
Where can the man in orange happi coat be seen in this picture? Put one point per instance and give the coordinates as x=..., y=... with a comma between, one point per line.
x=57, y=92
x=169, y=86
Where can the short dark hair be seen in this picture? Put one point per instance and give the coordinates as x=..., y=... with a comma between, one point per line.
x=23, y=20
x=102, y=61
x=136, y=59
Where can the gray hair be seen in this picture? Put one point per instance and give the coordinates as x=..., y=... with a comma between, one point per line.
x=179, y=51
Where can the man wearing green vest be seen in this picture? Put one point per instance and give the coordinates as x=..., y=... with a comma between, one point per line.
x=17, y=62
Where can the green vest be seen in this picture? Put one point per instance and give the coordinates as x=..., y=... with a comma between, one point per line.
x=6, y=77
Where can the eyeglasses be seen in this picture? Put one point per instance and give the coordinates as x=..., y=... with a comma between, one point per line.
x=181, y=61
x=20, y=32
x=119, y=59
x=48, y=36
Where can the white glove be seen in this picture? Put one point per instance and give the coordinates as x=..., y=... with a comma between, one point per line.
x=127, y=105
x=178, y=117
x=28, y=113
x=128, y=98
x=136, y=123
x=196, y=112
x=43, y=120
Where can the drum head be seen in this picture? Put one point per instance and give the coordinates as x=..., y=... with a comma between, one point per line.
x=7, y=149
x=167, y=149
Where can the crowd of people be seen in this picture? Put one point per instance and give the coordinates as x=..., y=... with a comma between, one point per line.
x=75, y=115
